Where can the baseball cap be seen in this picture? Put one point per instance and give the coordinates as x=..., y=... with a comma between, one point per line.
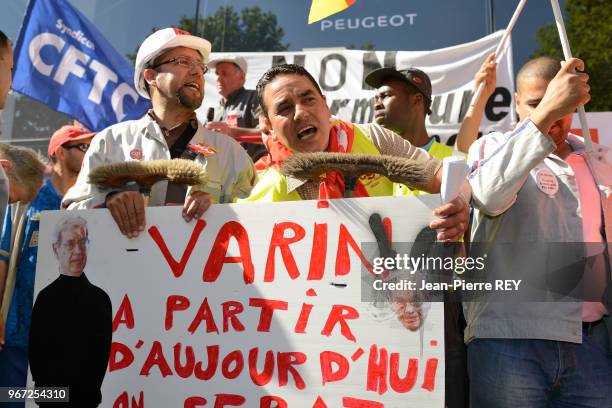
x=413, y=76
x=239, y=61
x=65, y=134
x=158, y=43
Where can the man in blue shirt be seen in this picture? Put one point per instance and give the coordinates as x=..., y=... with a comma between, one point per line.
x=19, y=249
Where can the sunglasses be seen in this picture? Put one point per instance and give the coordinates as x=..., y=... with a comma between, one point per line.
x=81, y=146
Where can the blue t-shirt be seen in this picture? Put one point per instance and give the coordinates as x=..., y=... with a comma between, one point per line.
x=20, y=311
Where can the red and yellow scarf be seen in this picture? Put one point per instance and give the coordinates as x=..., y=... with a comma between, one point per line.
x=341, y=137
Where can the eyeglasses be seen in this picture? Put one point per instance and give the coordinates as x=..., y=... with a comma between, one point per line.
x=81, y=146
x=184, y=62
x=72, y=244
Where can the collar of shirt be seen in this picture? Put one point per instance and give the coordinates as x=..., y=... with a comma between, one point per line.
x=171, y=135
x=429, y=144
x=577, y=143
x=232, y=97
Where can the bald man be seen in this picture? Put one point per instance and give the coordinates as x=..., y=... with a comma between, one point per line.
x=536, y=184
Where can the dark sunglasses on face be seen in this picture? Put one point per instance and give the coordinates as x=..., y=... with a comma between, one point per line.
x=81, y=146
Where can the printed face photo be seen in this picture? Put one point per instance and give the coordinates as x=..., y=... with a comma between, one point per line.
x=70, y=246
x=409, y=314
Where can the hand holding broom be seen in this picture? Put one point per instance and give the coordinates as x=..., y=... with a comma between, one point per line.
x=132, y=182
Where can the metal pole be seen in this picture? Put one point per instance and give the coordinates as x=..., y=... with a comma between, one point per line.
x=500, y=46
x=492, y=15
x=567, y=54
x=194, y=27
x=488, y=16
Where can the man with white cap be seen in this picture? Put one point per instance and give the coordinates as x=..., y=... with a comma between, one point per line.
x=236, y=114
x=170, y=67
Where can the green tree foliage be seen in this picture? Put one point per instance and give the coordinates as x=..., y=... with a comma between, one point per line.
x=251, y=29
x=589, y=29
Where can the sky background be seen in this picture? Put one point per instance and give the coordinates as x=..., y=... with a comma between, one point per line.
x=437, y=24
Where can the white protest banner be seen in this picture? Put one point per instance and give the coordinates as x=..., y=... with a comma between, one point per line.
x=341, y=74
x=258, y=305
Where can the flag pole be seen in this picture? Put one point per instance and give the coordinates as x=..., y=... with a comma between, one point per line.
x=567, y=54
x=500, y=46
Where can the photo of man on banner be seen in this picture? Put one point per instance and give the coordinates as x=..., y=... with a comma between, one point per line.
x=70, y=335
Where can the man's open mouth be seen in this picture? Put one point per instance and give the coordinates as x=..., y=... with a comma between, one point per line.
x=307, y=132
x=192, y=85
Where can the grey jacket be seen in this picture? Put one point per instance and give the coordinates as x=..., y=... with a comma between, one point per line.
x=510, y=207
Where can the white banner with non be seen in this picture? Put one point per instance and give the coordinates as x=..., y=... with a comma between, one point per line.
x=341, y=75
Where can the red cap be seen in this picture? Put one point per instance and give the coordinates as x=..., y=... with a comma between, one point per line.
x=68, y=133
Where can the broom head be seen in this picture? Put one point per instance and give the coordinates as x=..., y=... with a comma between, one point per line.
x=310, y=166
x=147, y=173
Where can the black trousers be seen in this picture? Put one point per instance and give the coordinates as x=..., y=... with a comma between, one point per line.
x=455, y=354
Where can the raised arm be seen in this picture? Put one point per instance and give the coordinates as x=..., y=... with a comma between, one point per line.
x=468, y=133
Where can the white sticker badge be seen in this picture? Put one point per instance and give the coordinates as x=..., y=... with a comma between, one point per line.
x=547, y=182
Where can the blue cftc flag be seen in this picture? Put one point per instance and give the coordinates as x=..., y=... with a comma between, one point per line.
x=63, y=61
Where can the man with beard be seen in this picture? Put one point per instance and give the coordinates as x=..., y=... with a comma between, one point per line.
x=170, y=67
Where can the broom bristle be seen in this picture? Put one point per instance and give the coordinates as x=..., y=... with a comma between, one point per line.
x=147, y=173
x=311, y=166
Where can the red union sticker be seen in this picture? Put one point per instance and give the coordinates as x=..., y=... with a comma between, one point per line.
x=202, y=148
x=136, y=154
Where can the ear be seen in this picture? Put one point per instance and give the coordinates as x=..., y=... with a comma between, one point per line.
x=517, y=100
x=6, y=164
x=266, y=126
x=55, y=249
x=418, y=99
x=149, y=75
x=60, y=153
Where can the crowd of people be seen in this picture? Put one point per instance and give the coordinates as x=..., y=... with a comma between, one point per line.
x=534, y=183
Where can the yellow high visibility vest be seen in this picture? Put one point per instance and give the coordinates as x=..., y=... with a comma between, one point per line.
x=437, y=150
x=272, y=186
